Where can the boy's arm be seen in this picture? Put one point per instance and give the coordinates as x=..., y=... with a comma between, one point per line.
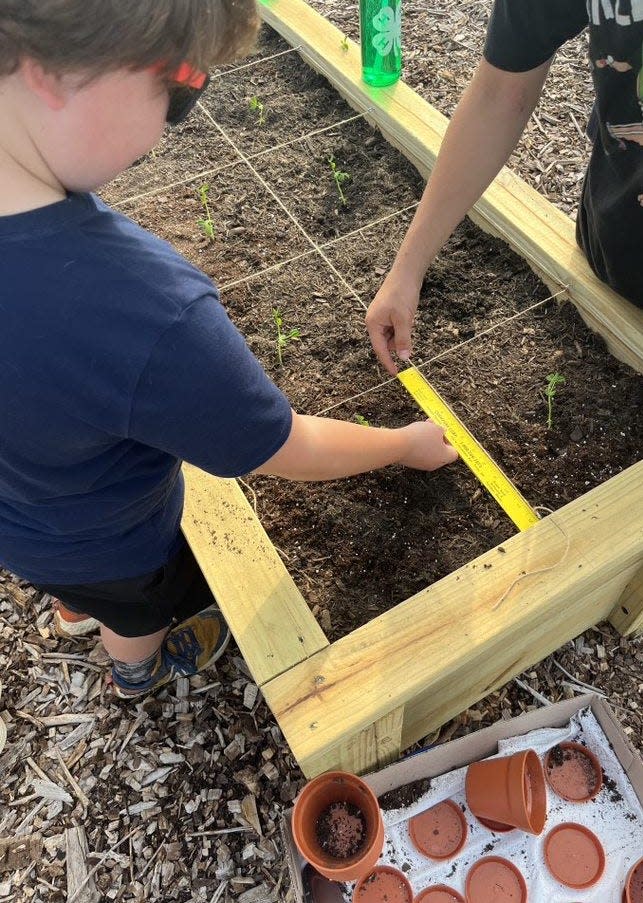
x=484, y=129
x=319, y=448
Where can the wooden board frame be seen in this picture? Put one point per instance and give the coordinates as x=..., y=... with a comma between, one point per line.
x=358, y=702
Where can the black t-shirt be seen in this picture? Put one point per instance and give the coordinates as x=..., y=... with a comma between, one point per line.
x=523, y=34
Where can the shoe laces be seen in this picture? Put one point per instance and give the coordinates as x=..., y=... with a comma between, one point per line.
x=184, y=643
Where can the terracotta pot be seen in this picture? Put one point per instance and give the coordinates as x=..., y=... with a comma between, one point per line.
x=574, y=855
x=440, y=893
x=633, y=891
x=573, y=772
x=439, y=832
x=336, y=800
x=383, y=885
x=509, y=791
x=495, y=880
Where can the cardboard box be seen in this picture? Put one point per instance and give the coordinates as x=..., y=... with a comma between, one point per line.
x=479, y=745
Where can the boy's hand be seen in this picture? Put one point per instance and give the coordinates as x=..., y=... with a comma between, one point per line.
x=428, y=449
x=389, y=320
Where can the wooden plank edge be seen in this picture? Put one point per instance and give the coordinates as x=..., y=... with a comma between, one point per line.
x=433, y=641
x=268, y=616
x=627, y=616
x=510, y=208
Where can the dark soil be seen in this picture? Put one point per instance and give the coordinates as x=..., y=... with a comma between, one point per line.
x=359, y=546
x=403, y=796
x=556, y=757
x=341, y=830
x=612, y=789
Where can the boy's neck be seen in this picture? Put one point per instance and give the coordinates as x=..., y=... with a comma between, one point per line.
x=22, y=190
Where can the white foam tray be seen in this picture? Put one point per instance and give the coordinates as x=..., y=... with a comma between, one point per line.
x=615, y=816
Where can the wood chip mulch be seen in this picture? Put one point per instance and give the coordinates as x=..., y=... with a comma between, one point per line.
x=179, y=797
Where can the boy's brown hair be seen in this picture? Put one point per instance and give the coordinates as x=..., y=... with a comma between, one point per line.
x=95, y=36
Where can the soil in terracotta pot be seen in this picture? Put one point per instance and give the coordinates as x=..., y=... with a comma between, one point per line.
x=571, y=773
x=358, y=547
x=341, y=830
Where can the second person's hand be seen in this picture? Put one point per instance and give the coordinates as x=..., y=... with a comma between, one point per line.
x=389, y=320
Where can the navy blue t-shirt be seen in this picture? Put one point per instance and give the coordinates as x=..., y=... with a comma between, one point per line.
x=118, y=362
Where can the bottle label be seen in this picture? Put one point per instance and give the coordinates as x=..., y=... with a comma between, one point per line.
x=387, y=25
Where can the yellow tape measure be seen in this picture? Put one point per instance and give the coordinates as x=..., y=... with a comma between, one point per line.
x=469, y=449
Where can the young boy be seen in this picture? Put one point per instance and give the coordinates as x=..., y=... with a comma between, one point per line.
x=522, y=38
x=118, y=360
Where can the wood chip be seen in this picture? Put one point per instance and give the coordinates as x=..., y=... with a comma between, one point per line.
x=50, y=791
x=249, y=812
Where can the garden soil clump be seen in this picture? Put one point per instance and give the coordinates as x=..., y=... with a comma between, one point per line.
x=341, y=830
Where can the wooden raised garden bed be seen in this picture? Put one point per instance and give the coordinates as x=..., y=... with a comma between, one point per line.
x=496, y=603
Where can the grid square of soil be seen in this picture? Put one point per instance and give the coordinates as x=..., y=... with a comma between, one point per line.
x=251, y=231
x=380, y=181
x=457, y=302
x=294, y=100
x=312, y=299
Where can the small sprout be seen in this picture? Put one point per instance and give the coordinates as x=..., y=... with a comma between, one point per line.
x=284, y=336
x=339, y=177
x=206, y=224
x=256, y=106
x=344, y=44
x=361, y=420
x=553, y=381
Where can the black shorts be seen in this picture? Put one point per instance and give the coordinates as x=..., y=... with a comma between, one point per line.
x=138, y=606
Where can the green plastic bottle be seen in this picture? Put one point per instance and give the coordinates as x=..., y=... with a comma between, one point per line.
x=380, y=25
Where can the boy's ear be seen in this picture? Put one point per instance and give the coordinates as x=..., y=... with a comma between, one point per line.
x=50, y=88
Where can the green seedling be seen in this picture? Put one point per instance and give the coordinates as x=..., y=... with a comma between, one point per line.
x=339, y=177
x=361, y=420
x=344, y=44
x=284, y=336
x=256, y=106
x=206, y=224
x=553, y=381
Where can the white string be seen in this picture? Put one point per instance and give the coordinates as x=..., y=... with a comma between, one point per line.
x=544, y=570
x=444, y=353
x=218, y=169
x=262, y=59
x=326, y=244
x=290, y=216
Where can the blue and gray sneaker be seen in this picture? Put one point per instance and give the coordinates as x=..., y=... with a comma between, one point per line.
x=188, y=648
